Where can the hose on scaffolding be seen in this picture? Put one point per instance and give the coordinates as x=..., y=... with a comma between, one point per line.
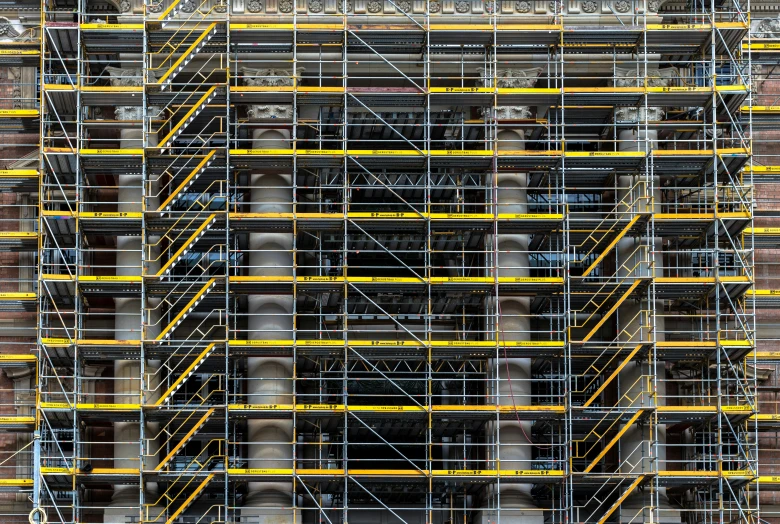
x=43, y=519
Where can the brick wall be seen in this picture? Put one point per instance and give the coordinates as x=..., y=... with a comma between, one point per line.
x=766, y=149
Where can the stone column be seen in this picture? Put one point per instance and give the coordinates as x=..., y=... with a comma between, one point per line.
x=635, y=328
x=270, y=379
x=515, y=449
x=128, y=321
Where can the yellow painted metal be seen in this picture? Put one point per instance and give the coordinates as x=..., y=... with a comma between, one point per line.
x=112, y=27
x=194, y=495
x=13, y=357
x=18, y=234
x=16, y=482
x=18, y=173
x=111, y=152
x=620, y=499
x=614, y=440
x=186, y=53
x=109, y=214
x=186, y=309
x=184, y=374
x=187, y=115
x=611, y=245
x=10, y=295
x=10, y=420
x=612, y=376
x=187, y=244
x=186, y=181
x=612, y=310
x=186, y=438
x=18, y=113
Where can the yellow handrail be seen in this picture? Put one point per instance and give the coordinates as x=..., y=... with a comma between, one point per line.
x=187, y=309
x=191, y=433
x=187, y=244
x=185, y=183
x=185, y=373
x=202, y=100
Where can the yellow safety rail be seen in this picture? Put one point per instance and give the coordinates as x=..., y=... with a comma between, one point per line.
x=188, y=180
x=620, y=499
x=613, y=441
x=186, y=373
x=612, y=310
x=612, y=376
x=194, y=47
x=188, y=117
x=189, y=476
x=186, y=438
x=187, y=309
x=187, y=244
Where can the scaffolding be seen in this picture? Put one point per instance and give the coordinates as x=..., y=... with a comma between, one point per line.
x=416, y=261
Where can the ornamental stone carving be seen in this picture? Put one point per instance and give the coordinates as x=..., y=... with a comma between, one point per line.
x=155, y=7
x=653, y=6
x=269, y=112
x=124, y=6
x=513, y=113
x=374, y=6
x=434, y=6
x=553, y=7
x=655, y=77
x=15, y=74
x=315, y=6
x=589, y=7
x=490, y=7
x=523, y=6
x=622, y=6
x=270, y=77
x=639, y=114
x=188, y=6
x=461, y=6
x=285, y=6
x=129, y=113
x=340, y=4
x=511, y=77
x=120, y=77
x=7, y=29
x=767, y=28
x=221, y=7
x=404, y=5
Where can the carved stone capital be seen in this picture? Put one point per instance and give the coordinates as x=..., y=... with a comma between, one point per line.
x=510, y=77
x=128, y=112
x=7, y=30
x=270, y=77
x=639, y=114
x=269, y=112
x=512, y=112
x=120, y=76
x=766, y=28
x=655, y=77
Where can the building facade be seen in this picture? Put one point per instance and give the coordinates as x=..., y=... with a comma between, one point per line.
x=397, y=261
